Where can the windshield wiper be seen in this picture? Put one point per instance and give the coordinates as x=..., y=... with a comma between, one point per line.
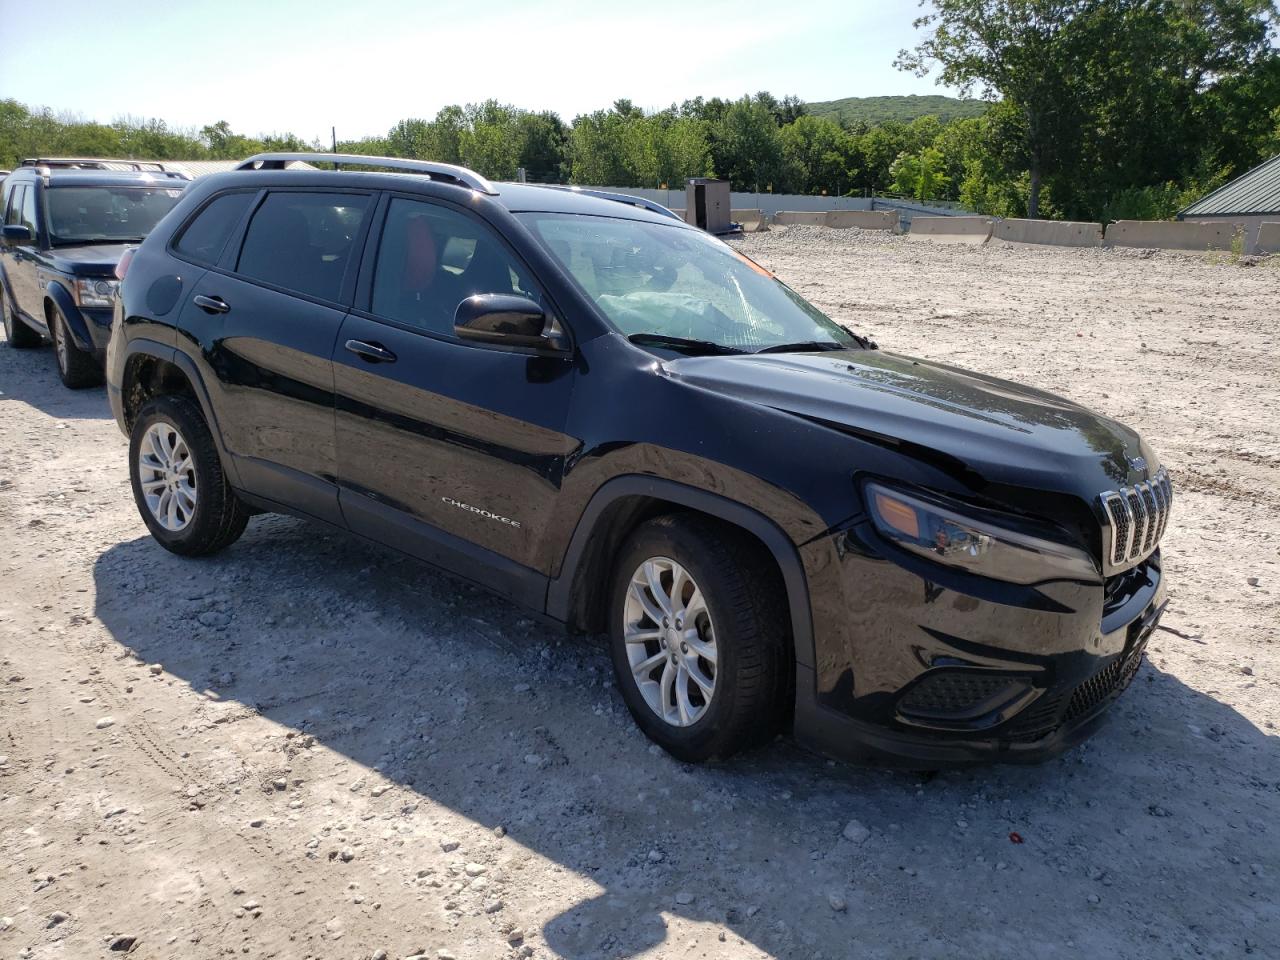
x=682, y=344
x=806, y=346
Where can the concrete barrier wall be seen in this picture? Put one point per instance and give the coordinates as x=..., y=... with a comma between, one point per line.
x=1269, y=237
x=1171, y=234
x=751, y=220
x=1055, y=233
x=810, y=218
x=862, y=219
x=973, y=230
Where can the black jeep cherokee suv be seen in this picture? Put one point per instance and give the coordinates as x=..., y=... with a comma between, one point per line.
x=620, y=421
x=66, y=223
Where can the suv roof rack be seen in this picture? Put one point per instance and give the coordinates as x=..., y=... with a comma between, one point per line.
x=649, y=205
x=446, y=172
x=105, y=163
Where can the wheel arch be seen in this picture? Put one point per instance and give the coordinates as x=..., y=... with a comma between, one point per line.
x=578, y=599
x=151, y=369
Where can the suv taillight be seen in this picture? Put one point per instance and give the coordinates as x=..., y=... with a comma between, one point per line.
x=126, y=258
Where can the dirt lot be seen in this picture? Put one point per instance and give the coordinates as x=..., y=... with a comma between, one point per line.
x=308, y=748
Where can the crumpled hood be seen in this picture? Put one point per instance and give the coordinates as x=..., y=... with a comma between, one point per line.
x=92, y=260
x=1005, y=432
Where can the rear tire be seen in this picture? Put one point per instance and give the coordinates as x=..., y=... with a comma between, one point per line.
x=77, y=368
x=17, y=333
x=178, y=483
x=728, y=624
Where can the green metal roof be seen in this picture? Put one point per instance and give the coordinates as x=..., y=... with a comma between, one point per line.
x=1256, y=192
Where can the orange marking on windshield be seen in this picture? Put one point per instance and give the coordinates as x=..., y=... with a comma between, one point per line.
x=753, y=265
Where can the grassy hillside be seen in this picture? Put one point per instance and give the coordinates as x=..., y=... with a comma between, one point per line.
x=879, y=109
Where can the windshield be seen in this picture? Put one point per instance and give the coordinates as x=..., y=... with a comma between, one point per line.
x=655, y=281
x=105, y=214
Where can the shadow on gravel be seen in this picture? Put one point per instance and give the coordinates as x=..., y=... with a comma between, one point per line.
x=31, y=377
x=1141, y=843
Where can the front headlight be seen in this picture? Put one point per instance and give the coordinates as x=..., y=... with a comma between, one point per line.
x=96, y=293
x=948, y=537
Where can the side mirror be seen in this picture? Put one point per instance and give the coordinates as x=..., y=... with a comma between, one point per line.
x=508, y=321
x=17, y=233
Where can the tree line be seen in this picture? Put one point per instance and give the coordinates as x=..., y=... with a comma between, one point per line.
x=1099, y=109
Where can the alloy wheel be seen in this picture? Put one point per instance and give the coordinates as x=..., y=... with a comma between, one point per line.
x=167, y=475
x=670, y=641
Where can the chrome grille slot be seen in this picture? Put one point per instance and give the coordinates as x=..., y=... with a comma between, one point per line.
x=1136, y=518
x=1139, y=520
x=1153, y=512
x=1118, y=510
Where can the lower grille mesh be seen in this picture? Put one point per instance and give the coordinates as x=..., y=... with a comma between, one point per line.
x=1113, y=678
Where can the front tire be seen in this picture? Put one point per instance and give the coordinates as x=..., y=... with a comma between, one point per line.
x=77, y=368
x=178, y=482
x=699, y=637
x=17, y=333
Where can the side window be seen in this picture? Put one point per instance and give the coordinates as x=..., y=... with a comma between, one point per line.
x=13, y=214
x=302, y=241
x=29, y=209
x=206, y=235
x=431, y=258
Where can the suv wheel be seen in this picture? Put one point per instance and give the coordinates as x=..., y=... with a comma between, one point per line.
x=698, y=637
x=76, y=367
x=17, y=333
x=177, y=477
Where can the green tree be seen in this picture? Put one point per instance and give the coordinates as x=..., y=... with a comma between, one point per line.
x=817, y=155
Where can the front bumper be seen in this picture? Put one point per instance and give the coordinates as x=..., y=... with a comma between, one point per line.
x=912, y=672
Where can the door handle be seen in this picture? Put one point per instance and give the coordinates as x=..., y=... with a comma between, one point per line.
x=211, y=304
x=373, y=352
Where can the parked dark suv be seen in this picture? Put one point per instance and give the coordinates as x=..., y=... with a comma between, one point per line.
x=622, y=422
x=67, y=220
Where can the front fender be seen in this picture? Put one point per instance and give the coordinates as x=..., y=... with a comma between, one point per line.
x=69, y=310
x=560, y=590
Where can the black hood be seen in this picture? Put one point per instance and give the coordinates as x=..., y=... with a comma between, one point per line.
x=1001, y=432
x=90, y=260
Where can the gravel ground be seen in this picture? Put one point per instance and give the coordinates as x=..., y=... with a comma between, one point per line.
x=309, y=748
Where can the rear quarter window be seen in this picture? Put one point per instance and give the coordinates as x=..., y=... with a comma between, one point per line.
x=303, y=241
x=204, y=238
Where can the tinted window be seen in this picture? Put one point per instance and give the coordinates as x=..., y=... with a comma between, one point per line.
x=28, y=216
x=431, y=258
x=207, y=234
x=13, y=215
x=113, y=214
x=303, y=241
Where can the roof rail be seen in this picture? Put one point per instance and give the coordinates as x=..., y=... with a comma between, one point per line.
x=446, y=172
x=105, y=163
x=649, y=205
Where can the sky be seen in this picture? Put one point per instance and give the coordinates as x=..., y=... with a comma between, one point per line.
x=275, y=66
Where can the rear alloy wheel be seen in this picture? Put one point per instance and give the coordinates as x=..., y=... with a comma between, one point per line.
x=17, y=333
x=76, y=367
x=699, y=636
x=177, y=479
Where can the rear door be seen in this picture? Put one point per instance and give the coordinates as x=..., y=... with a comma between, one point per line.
x=266, y=319
x=452, y=451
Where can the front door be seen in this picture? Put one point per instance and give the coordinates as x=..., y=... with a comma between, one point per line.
x=22, y=258
x=453, y=452
x=267, y=320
